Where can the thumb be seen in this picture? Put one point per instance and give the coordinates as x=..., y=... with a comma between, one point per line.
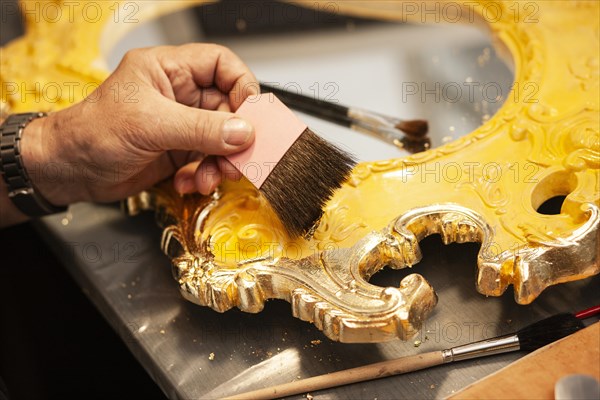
x=210, y=132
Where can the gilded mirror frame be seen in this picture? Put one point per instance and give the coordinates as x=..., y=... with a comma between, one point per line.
x=228, y=250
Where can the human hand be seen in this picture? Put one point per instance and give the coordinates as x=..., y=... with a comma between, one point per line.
x=163, y=111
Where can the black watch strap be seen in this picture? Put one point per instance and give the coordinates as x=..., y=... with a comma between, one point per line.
x=20, y=189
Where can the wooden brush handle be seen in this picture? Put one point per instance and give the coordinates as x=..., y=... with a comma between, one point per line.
x=353, y=375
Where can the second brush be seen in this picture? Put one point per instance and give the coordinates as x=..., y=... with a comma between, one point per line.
x=530, y=338
x=410, y=135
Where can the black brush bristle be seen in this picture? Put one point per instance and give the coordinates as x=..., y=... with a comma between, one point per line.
x=304, y=180
x=547, y=331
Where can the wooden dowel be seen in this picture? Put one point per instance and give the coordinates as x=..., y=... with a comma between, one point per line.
x=353, y=375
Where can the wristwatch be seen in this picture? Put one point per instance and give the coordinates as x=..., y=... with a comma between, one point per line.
x=20, y=189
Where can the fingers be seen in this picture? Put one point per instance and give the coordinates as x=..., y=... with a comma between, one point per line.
x=228, y=170
x=204, y=176
x=208, y=176
x=188, y=103
x=184, y=181
x=179, y=158
x=168, y=125
x=212, y=98
x=207, y=65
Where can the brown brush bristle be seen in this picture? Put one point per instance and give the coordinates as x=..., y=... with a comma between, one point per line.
x=416, y=128
x=548, y=330
x=304, y=180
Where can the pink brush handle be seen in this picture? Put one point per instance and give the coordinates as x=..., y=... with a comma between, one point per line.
x=276, y=129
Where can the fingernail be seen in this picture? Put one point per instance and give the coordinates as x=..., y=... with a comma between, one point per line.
x=236, y=131
x=184, y=185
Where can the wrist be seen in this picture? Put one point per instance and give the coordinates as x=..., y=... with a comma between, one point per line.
x=44, y=165
x=9, y=213
x=20, y=189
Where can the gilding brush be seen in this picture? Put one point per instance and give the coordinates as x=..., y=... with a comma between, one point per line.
x=529, y=338
x=295, y=169
x=401, y=133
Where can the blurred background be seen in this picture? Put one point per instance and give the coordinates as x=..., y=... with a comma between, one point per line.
x=446, y=73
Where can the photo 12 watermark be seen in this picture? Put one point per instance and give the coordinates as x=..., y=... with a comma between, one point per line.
x=53, y=12
x=468, y=91
x=471, y=172
x=269, y=12
x=469, y=11
x=69, y=92
x=74, y=173
x=104, y=253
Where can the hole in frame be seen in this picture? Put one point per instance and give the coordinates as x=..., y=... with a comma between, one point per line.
x=552, y=206
x=551, y=192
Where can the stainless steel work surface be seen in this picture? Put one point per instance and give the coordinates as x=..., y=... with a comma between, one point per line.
x=193, y=352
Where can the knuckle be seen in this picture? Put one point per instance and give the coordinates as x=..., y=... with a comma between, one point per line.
x=132, y=54
x=213, y=46
x=140, y=56
x=218, y=49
